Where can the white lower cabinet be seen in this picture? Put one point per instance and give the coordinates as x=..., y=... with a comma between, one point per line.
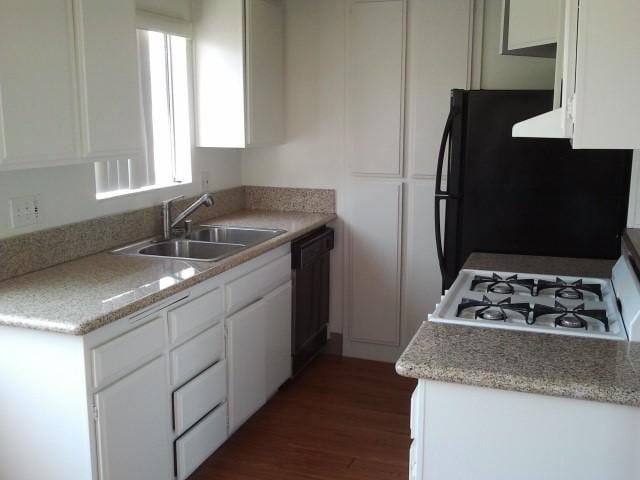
x=197, y=354
x=201, y=441
x=278, y=338
x=246, y=352
x=259, y=353
x=199, y=396
x=152, y=395
x=134, y=426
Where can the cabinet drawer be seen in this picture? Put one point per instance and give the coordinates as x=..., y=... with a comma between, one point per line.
x=197, y=444
x=195, y=314
x=252, y=286
x=197, y=354
x=199, y=396
x=122, y=355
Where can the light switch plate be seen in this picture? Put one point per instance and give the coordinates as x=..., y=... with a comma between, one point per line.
x=25, y=211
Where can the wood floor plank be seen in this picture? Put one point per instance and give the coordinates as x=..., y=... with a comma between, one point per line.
x=341, y=419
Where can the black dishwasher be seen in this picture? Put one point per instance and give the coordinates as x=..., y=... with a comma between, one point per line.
x=311, y=269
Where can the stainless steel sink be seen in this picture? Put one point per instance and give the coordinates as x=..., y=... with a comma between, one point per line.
x=183, y=250
x=240, y=235
x=208, y=243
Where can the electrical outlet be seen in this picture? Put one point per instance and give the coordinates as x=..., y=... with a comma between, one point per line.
x=25, y=211
x=204, y=179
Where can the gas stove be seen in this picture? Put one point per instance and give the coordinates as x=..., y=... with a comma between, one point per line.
x=563, y=305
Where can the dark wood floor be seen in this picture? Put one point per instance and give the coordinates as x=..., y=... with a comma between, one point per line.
x=342, y=418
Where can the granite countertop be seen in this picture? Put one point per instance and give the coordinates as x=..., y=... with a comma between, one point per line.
x=80, y=296
x=558, y=365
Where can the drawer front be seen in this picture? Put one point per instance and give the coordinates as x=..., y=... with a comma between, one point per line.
x=199, y=396
x=124, y=354
x=195, y=314
x=252, y=286
x=197, y=354
x=197, y=444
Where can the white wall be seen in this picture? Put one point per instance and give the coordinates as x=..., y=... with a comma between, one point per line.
x=313, y=155
x=68, y=193
x=315, y=98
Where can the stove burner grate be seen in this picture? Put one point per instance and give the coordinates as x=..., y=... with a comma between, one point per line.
x=570, y=290
x=571, y=318
x=493, y=311
x=504, y=286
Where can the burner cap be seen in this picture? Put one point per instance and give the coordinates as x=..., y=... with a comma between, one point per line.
x=570, y=294
x=571, y=322
x=501, y=288
x=493, y=314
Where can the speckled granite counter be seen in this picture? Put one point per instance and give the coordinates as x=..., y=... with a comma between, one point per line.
x=600, y=370
x=79, y=296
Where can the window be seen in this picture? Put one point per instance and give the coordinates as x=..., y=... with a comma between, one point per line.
x=164, y=88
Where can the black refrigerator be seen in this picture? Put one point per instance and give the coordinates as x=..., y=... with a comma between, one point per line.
x=526, y=196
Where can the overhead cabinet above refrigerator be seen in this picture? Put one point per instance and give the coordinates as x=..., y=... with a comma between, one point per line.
x=597, y=98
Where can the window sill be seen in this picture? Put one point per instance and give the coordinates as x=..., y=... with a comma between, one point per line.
x=127, y=192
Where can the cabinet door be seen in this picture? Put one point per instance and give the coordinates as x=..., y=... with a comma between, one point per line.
x=278, y=337
x=264, y=71
x=38, y=114
x=607, y=74
x=376, y=87
x=432, y=71
x=246, y=350
x=134, y=426
x=532, y=23
x=375, y=268
x=109, y=83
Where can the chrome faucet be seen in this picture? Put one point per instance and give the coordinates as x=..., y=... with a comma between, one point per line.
x=169, y=223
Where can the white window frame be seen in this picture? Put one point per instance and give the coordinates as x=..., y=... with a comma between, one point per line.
x=115, y=178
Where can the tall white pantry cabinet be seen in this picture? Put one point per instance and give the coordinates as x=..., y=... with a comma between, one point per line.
x=403, y=58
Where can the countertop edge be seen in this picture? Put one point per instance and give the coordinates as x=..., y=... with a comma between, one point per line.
x=514, y=383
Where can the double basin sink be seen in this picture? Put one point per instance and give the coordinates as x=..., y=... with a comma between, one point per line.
x=209, y=243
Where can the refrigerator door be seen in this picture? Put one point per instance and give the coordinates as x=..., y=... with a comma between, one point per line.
x=528, y=196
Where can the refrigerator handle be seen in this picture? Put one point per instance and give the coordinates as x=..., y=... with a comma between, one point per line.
x=443, y=147
x=442, y=194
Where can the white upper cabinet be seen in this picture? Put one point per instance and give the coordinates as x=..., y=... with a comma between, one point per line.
x=69, y=89
x=376, y=87
x=38, y=98
x=109, y=85
x=530, y=27
x=598, y=73
x=432, y=71
x=239, y=72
